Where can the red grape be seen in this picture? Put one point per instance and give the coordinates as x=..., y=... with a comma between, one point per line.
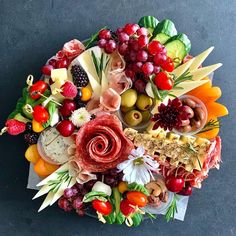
x=104, y=34
x=142, y=56
x=77, y=203
x=142, y=41
x=123, y=37
x=66, y=128
x=46, y=70
x=102, y=43
x=132, y=56
x=133, y=44
x=64, y=204
x=142, y=31
x=68, y=193
x=109, y=179
x=137, y=67
x=123, y=48
x=154, y=47
x=88, y=185
x=80, y=212
x=140, y=86
x=119, y=30
x=156, y=69
x=130, y=29
x=159, y=58
x=110, y=46
x=129, y=73
x=147, y=68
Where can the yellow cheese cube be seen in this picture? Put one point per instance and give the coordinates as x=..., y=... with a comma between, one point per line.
x=57, y=74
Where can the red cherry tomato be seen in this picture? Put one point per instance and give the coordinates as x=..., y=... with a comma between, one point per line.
x=168, y=65
x=163, y=82
x=137, y=198
x=126, y=208
x=175, y=184
x=40, y=114
x=40, y=87
x=105, y=208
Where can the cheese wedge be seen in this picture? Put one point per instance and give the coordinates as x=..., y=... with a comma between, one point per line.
x=201, y=73
x=187, y=86
x=198, y=60
x=46, y=201
x=182, y=68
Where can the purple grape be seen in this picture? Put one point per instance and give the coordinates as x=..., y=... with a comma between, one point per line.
x=64, y=204
x=113, y=172
x=132, y=55
x=109, y=179
x=102, y=43
x=142, y=56
x=90, y=184
x=123, y=37
x=79, y=187
x=123, y=48
x=77, y=203
x=68, y=193
x=80, y=212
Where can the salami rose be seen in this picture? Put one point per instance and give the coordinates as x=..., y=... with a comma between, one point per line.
x=73, y=48
x=101, y=144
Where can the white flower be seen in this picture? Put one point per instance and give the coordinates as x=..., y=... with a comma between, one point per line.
x=138, y=168
x=80, y=116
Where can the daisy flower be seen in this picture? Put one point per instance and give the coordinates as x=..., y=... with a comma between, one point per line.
x=80, y=116
x=138, y=168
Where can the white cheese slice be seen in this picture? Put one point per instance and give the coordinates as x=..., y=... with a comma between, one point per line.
x=45, y=189
x=187, y=86
x=57, y=74
x=199, y=59
x=182, y=68
x=201, y=73
x=46, y=201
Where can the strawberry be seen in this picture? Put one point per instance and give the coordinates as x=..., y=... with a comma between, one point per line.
x=15, y=127
x=69, y=90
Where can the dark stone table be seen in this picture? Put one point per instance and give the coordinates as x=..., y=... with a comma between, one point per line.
x=32, y=31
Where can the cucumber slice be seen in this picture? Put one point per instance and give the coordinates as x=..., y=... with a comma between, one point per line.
x=178, y=47
x=148, y=22
x=164, y=30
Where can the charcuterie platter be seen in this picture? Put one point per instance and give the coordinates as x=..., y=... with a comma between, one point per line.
x=123, y=124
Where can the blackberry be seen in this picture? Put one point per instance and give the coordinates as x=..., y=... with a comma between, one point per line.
x=80, y=78
x=28, y=126
x=31, y=138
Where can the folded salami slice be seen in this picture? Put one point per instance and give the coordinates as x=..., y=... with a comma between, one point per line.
x=101, y=144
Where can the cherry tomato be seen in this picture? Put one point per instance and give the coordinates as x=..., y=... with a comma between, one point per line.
x=40, y=87
x=163, y=82
x=105, y=208
x=175, y=184
x=40, y=114
x=168, y=65
x=137, y=198
x=126, y=208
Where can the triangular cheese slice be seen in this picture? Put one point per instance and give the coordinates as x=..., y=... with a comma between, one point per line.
x=182, y=68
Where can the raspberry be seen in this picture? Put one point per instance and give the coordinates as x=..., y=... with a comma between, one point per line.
x=31, y=138
x=69, y=90
x=15, y=127
x=80, y=78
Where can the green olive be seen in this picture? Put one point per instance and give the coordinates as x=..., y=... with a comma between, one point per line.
x=144, y=102
x=146, y=116
x=129, y=98
x=133, y=118
x=126, y=109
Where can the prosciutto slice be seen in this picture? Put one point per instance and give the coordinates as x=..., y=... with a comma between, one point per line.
x=101, y=144
x=110, y=100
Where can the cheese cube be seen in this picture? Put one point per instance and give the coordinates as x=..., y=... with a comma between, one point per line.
x=57, y=74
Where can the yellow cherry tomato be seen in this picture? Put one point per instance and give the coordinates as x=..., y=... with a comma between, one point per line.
x=32, y=154
x=43, y=168
x=122, y=187
x=36, y=126
x=86, y=94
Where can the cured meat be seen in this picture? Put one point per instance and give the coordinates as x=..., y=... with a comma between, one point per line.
x=72, y=49
x=117, y=64
x=110, y=100
x=101, y=144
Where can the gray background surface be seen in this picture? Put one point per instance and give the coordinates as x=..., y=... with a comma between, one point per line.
x=32, y=31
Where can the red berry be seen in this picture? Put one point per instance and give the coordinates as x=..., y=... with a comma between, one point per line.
x=40, y=114
x=142, y=56
x=126, y=208
x=15, y=127
x=186, y=191
x=129, y=73
x=102, y=43
x=175, y=184
x=159, y=58
x=110, y=46
x=123, y=37
x=104, y=34
x=168, y=65
x=142, y=31
x=130, y=29
x=67, y=108
x=147, y=68
x=53, y=62
x=62, y=63
x=142, y=41
x=69, y=90
x=38, y=87
x=163, y=82
x=46, y=70
x=154, y=47
x=65, y=128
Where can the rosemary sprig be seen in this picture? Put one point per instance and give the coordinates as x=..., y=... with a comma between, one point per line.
x=182, y=78
x=210, y=125
x=191, y=148
x=88, y=43
x=172, y=210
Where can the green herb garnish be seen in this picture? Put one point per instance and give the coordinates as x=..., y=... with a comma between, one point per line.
x=210, y=125
x=172, y=210
x=90, y=42
x=182, y=78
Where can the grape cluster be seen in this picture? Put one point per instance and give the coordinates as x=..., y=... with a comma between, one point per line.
x=143, y=58
x=73, y=197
